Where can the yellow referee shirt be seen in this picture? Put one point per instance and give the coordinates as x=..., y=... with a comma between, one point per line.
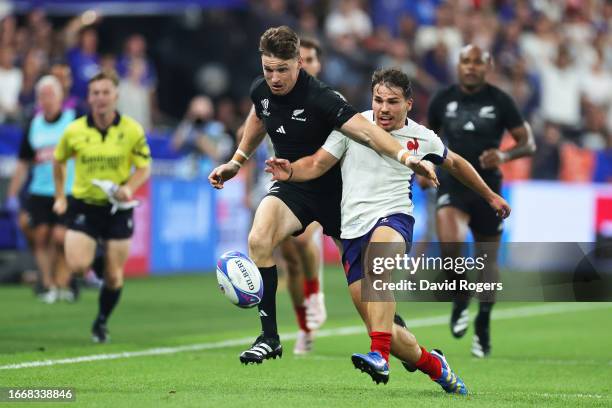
x=107, y=155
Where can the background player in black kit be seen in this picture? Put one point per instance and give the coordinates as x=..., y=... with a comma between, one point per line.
x=472, y=116
x=298, y=112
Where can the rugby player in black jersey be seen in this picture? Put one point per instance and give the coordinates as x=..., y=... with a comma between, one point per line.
x=298, y=112
x=472, y=116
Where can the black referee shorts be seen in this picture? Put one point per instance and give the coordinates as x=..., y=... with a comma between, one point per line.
x=308, y=206
x=483, y=219
x=98, y=222
x=40, y=209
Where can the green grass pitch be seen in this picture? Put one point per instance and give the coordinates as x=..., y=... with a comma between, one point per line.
x=558, y=358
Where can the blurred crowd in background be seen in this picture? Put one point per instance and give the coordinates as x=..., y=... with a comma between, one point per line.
x=186, y=77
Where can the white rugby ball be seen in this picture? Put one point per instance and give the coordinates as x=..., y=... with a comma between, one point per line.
x=239, y=279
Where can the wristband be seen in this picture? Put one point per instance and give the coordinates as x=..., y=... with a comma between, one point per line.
x=243, y=154
x=400, y=155
x=237, y=163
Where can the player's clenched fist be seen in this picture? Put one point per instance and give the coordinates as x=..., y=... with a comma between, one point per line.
x=60, y=205
x=221, y=174
x=500, y=206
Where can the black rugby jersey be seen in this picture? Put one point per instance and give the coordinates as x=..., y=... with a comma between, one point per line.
x=299, y=122
x=473, y=123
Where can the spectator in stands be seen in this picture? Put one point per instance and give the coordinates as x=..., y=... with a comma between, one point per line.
x=597, y=84
x=560, y=91
x=201, y=136
x=226, y=114
x=135, y=94
x=444, y=31
x=34, y=65
x=595, y=134
x=8, y=31
x=347, y=18
x=523, y=86
x=11, y=80
x=541, y=44
x=83, y=60
x=62, y=72
x=108, y=62
x=135, y=49
x=436, y=64
x=547, y=159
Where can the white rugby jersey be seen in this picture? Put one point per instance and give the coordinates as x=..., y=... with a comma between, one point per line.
x=375, y=186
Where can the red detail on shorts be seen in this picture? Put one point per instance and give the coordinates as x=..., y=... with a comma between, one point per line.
x=347, y=267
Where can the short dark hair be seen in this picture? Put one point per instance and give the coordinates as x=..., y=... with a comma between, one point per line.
x=280, y=42
x=311, y=43
x=109, y=74
x=393, y=77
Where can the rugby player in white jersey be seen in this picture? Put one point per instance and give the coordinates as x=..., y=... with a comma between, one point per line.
x=376, y=208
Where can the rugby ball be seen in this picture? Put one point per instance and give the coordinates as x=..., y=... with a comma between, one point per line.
x=239, y=279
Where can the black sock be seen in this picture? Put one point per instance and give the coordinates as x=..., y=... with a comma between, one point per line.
x=106, y=302
x=267, y=306
x=484, y=315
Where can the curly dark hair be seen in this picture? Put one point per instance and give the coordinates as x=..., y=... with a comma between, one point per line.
x=393, y=77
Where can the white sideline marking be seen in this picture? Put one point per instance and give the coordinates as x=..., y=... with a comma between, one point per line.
x=503, y=314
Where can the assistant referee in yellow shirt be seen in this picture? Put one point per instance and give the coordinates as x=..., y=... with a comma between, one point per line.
x=106, y=146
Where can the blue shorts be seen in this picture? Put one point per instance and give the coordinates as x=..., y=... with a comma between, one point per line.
x=352, y=249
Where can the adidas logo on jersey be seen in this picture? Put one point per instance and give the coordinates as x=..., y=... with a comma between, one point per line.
x=281, y=129
x=469, y=126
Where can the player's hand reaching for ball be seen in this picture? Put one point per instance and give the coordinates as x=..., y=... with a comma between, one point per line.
x=221, y=174
x=492, y=158
x=280, y=169
x=423, y=168
x=60, y=205
x=499, y=205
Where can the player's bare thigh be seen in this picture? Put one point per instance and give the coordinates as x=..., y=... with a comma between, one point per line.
x=273, y=222
x=396, y=245
x=309, y=235
x=80, y=249
x=452, y=224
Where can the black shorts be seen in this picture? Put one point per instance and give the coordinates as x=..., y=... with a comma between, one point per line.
x=40, y=210
x=98, y=222
x=483, y=219
x=309, y=206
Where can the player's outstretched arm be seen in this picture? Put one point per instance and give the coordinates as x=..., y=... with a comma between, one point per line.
x=525, y=146
x=363, y=131
x=306, y=168
x=463, y=171
x=254, y=132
